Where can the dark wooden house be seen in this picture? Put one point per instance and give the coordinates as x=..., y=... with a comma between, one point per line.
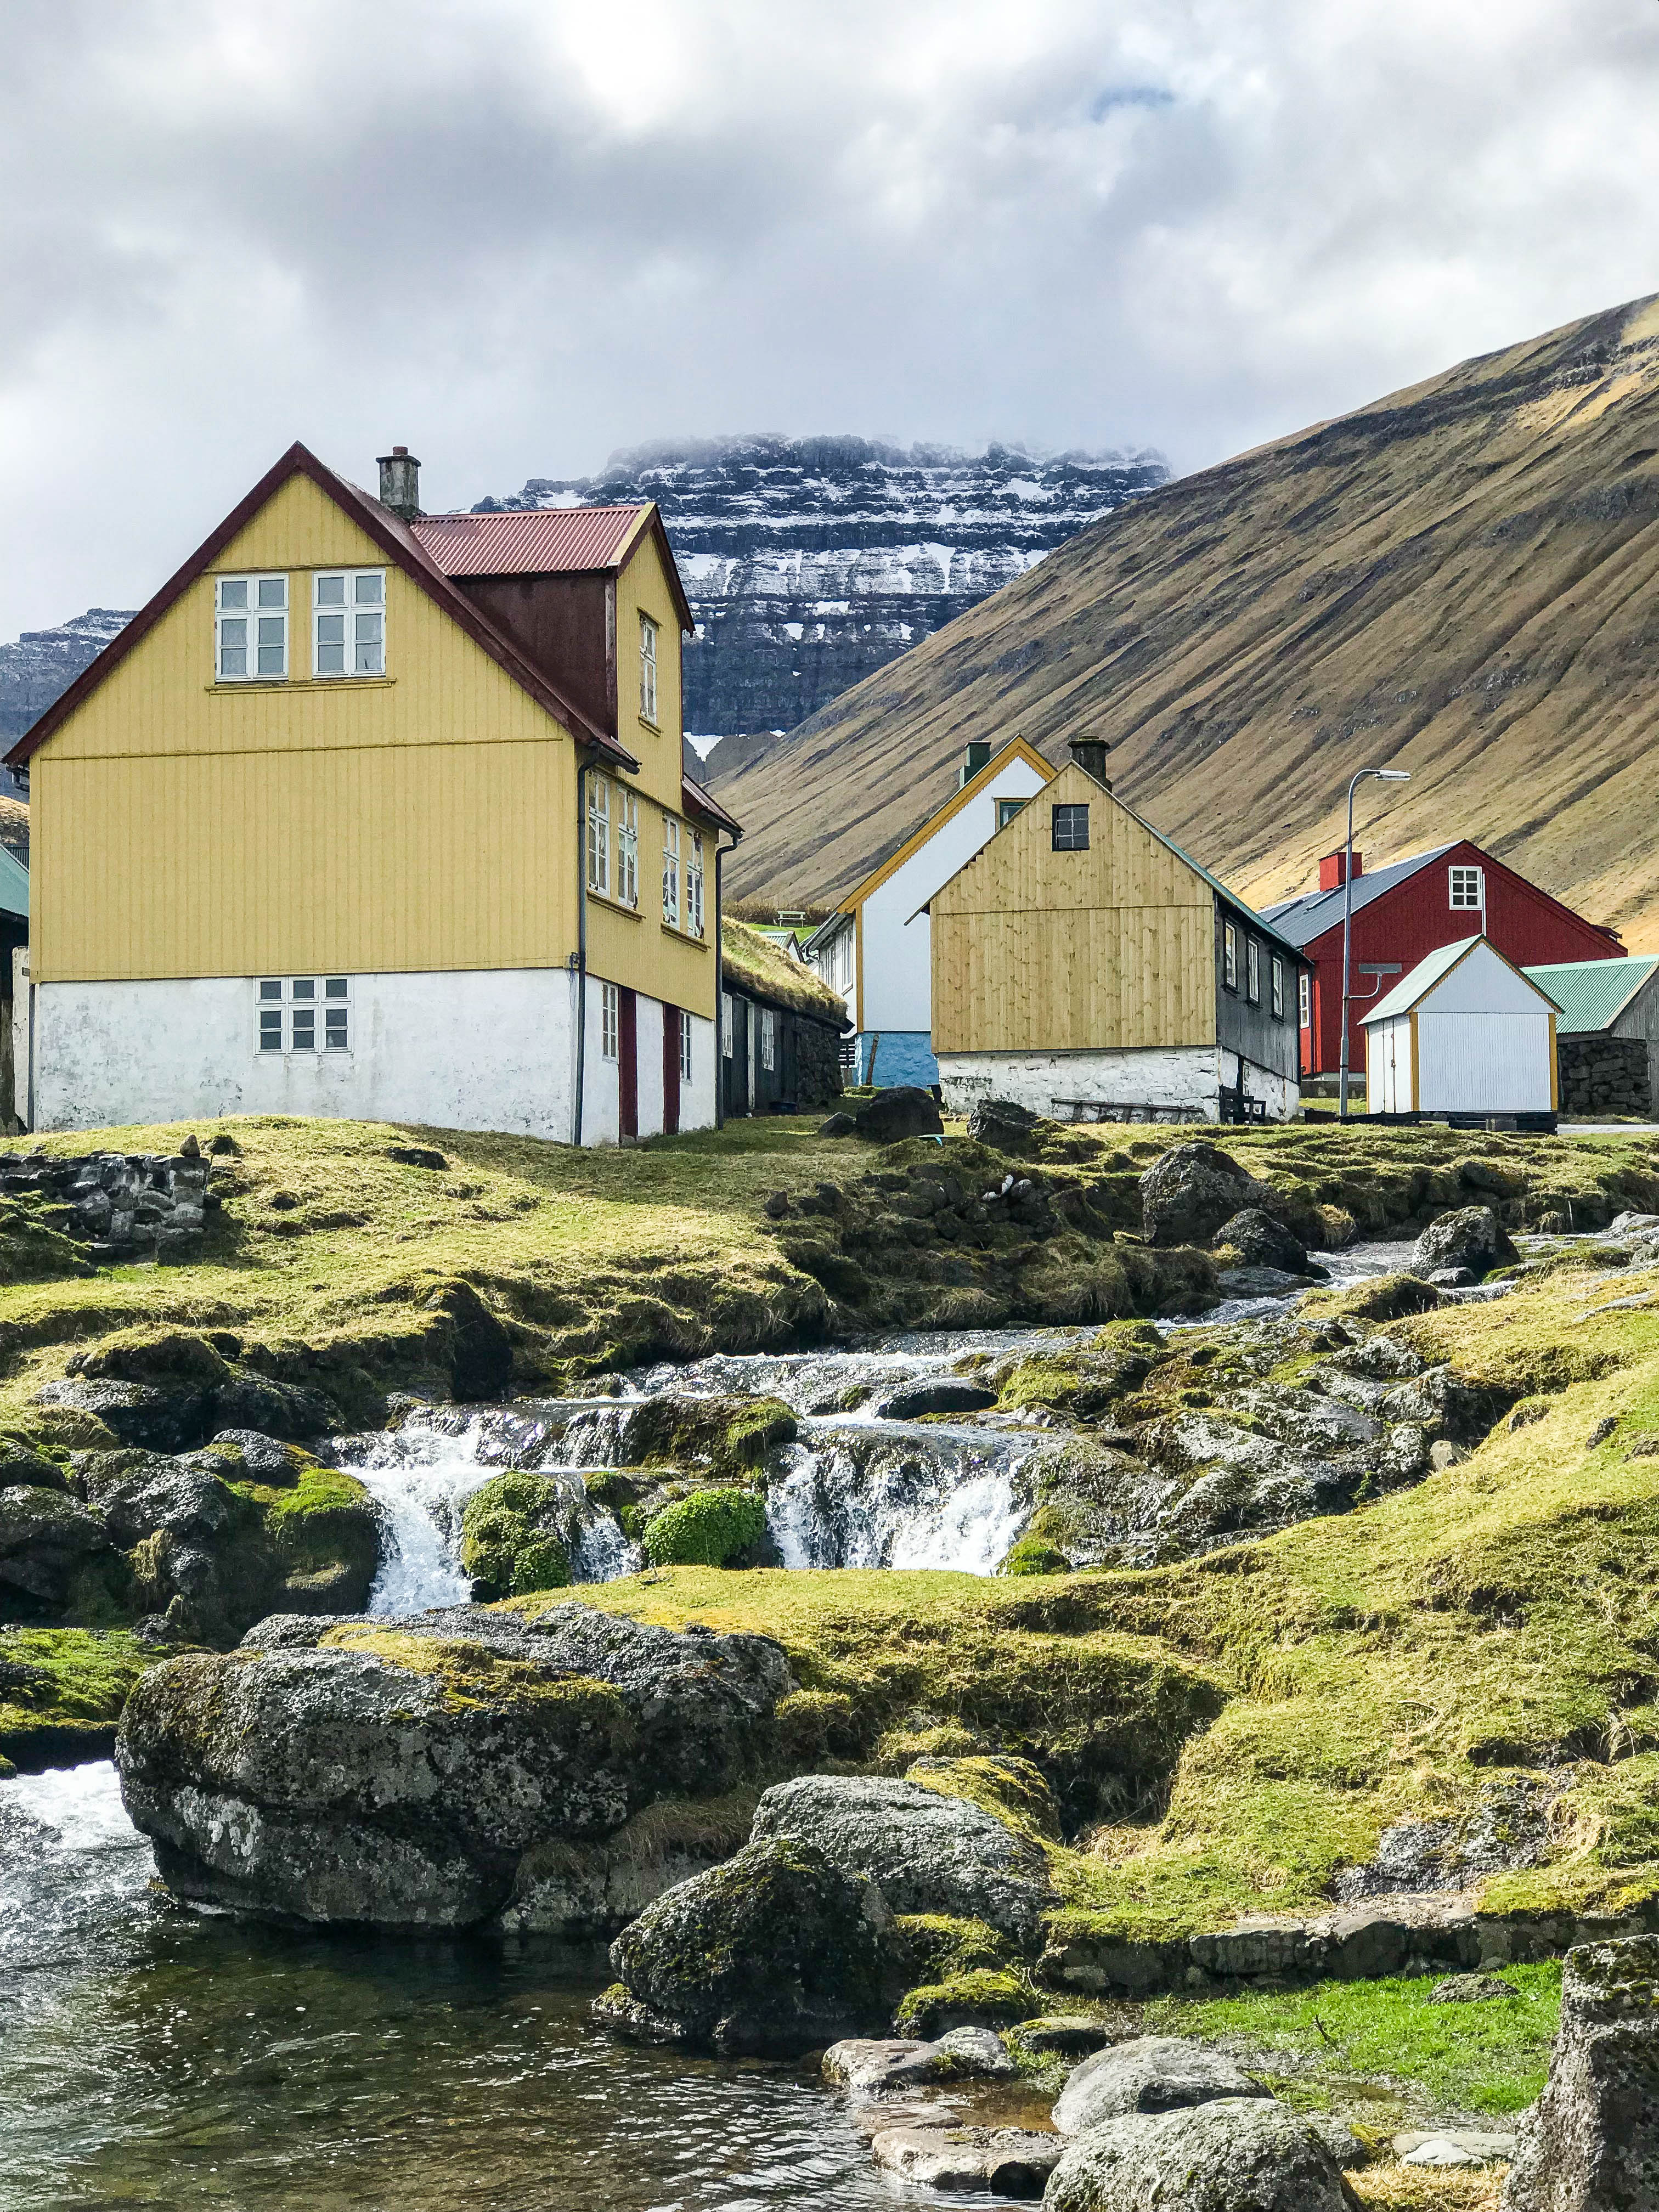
x=781, y=1028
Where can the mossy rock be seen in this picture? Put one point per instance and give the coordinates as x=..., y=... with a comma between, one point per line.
x=62, y=1691
x=1012, y=1790
x=162, y=1357
x=706, y=1529
x=730, y=1435
x=32, y=1251
x=1031, y=1556
x=515, y=1535
x=979, y=1998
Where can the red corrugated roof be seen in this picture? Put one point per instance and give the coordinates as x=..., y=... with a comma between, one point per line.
x=539, y=541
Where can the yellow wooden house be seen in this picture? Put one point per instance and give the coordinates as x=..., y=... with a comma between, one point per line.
x=1086, y=968
x=374, y=813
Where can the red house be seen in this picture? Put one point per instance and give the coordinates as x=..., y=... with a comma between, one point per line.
x=1405, y=911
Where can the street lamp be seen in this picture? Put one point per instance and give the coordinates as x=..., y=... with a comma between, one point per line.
x=1382, y=775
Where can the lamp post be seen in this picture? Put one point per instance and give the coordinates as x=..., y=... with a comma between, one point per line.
x=1382, y=775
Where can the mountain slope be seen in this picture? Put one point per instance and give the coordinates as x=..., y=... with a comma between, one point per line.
x=1459, y=580
x=810, y=562
x=42, y=663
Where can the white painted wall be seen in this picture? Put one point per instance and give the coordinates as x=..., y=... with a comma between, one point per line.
x=1482, y=1062
x=1388, y=1067
x=490, y=1049
x=835, y=962
x=1183, y=1081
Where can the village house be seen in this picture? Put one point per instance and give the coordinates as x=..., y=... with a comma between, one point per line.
x=382, y=815
x=780, y=1027
x=1607, y=1036
x=1465, y=1033
x=874, y=950
x=1086, y=968
x=1405, y=911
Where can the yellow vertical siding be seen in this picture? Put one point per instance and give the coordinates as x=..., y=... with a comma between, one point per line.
x=1039, y=951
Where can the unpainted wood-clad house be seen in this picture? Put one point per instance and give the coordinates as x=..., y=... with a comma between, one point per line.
x=379, y=814
x=1086, y=967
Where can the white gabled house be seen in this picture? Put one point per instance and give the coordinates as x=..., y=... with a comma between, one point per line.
x=1466, y=1032
x=876, y=950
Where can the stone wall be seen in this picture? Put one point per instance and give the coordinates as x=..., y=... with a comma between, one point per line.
x=1604, y=1074
x=120, y=1205
x=818, y=1064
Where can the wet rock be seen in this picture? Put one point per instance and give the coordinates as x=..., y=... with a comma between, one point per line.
x=1592, y=2140
x=400, y=1772
x=1472, y=1238
x=257, y=1402
x=892, y=1115
x=1259, y=1283
x=140, y=1494
x=1188, y=1193
x=1228, y=2156
x=928, y=1853
x=867, y=2066
x=775, y=1950
x=1003, y=1126
x=1149, y=2073
x=1009, y=2162
x=141, y=1415
x=943, y=1394
x=1474, y=1989
x=46, y=1539
x=1261, y=1242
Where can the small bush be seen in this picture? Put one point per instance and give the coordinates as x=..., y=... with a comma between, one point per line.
x=706, y=1529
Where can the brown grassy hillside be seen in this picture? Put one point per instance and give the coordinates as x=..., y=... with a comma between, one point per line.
x=1459, y=580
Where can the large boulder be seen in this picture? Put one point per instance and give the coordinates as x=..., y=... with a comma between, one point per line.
x=140, y=1494
x=406, y=1773
x=1472, y=1240
x=892, y=1115
x=22, y=1467
x=1002, y=1125
x=47, y=1543
x=776, y=1951
x=1591, y=2142
x=1261, y=1242
x=1150, y=2074
x=929, y=1853
x=1012, y=2162
x=1228, y=2156
x=1189, y=1192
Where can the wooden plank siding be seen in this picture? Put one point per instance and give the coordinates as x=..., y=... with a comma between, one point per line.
x=1039, y=951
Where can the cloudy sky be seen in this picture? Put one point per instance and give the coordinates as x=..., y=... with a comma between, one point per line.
x=516, y=235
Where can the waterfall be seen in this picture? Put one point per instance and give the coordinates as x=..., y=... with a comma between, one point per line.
x=896, y=1494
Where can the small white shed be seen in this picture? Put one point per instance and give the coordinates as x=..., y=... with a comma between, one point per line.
x=1466, y=1032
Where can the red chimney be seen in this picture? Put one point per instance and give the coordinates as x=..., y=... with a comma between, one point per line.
x=1331, y=877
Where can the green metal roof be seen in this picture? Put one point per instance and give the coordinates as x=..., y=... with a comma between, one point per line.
x=1593, y=993
x=13, y=885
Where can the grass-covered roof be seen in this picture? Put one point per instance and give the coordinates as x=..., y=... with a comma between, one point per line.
x=754, y=965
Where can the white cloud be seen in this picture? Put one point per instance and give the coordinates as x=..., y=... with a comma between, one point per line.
x=516, y=233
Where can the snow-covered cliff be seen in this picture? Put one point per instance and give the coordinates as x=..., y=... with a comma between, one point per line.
x=810, y=561
x=42, y=663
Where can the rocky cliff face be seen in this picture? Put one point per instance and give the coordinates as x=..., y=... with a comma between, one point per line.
x=810, y=562
x=43, y=663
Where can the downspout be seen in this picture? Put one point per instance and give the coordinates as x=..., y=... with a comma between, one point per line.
x=582, y=766
x=720, y=852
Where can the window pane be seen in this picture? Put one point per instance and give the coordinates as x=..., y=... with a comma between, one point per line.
x=331, y=660
x=233, y=630
x=331, y=629
x=271, y=987
x=330, y=591
x=273, y=591
x=370, y=589
x=305, y=1030
x=233, y=591
x=233, y=661
x=335, y=1028
x=304, y=986
x=335, y=988
x=271, y=1033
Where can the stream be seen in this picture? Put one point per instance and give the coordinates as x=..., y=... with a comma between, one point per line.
x=154, y=2057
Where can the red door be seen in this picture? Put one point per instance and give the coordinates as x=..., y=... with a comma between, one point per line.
x=671, y=1071
x=628, y=1061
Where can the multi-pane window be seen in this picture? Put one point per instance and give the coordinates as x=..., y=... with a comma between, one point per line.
x=1468, y=891
x=768, y=1038
x=1230, y=954
x=1277, y=1001
x=1253, y=971
x=598, y=835
x=1304, y=1000
x=1071, y=829
x=685, y=1047
x=647, y=668
x=628, y=847
x=348, y=622
x=1006, y=810
x=610, y=1020
x=671, y=871
x=249, y=628
x=287, y=1010
x=694, y=884
x=726, y=1025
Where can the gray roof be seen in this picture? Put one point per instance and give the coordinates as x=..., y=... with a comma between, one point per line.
x=1302, y=919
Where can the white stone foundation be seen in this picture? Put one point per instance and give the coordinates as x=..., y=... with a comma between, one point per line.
x=491, y=1049
x=1175, y=1083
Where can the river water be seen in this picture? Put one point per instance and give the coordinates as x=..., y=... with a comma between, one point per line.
x=153, y=2057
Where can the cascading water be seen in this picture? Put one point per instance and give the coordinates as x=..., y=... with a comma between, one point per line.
x=893, y=1494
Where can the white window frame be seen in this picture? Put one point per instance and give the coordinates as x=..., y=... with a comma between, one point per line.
x=1252, y=970
x=647, y=671
x=694, y=886
x=610, y=1021
x=685, y=1045
x=769, y=1040
x=1276, y=987
x=285, y=1014
x=671, y=871
x=1460, y=880
x=352, y=608
x=1006, y=810
x=264, y=603
x=728, y=1026
x=1230, y=956
x=1304, y=1000
x=598, y=835
x=628, y=847
x=1076, y=814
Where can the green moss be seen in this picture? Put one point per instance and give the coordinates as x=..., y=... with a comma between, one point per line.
x=730, y=1437
x=31, y=1248
x=62, y=1691
x=978, y=1997
x=470, y=1675
x=1012, y=1790
x=1031, y=1556
x=940, y=1947
x=512, y=1536
x=706, y=1529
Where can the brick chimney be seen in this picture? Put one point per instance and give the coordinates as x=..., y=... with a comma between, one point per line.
x=1090, y=755
x=400, y=482
x=1331, y=875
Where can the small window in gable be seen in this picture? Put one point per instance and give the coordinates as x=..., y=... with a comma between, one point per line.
x=347, y=623
x=249, y=628
x=647, y=669
x=1071, y=832
x=1468, y=890
x=1006, y=810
